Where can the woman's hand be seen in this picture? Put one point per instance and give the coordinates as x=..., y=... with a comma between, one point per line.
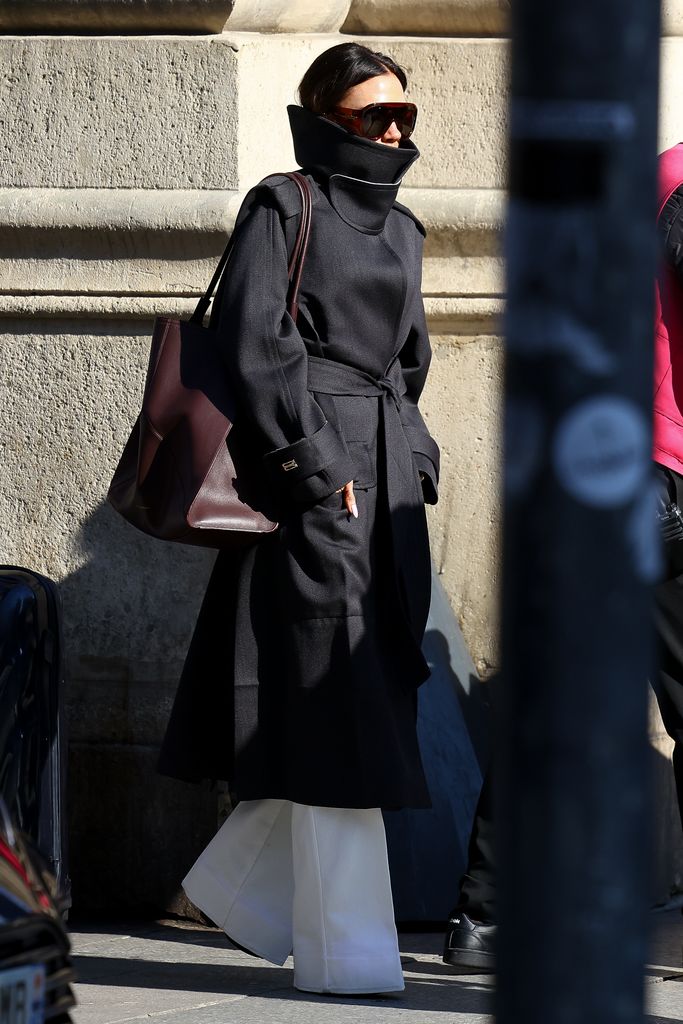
x=349, y=499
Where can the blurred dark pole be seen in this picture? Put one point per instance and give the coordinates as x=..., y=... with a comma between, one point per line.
x=580, y=547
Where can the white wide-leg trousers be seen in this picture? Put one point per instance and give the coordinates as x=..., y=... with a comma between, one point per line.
x=281, y=877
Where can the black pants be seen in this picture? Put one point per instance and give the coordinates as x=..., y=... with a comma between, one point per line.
x=668, y=685
x=478, y=887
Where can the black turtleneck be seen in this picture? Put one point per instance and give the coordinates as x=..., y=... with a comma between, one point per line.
x=362, y=177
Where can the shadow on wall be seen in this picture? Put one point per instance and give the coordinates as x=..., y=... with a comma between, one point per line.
x=428, y=849
x=129, y=613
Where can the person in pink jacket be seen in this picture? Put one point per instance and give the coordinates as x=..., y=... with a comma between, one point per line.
x=471, y=933
x=668, y=448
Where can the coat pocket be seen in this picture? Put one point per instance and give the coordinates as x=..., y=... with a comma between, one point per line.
x=364, y=461
x=328, y=559
x=362, y=456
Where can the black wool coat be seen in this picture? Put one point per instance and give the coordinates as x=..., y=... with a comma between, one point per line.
x=301, y=678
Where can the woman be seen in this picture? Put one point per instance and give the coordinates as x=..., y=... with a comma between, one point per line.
x=300, y=684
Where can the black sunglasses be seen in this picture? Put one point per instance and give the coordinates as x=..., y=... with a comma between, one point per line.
x=374, y=120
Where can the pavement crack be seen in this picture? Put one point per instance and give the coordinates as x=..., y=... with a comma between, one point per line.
x=160, y=1014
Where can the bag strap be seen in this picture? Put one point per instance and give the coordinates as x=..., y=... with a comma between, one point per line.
x=296, y=263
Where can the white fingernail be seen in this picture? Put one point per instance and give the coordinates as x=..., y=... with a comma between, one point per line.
x=354, y=509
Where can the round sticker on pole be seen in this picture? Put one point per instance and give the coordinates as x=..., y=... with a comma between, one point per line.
x=601, y=451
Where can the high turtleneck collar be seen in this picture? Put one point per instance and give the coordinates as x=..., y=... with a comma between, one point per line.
x=363, y=176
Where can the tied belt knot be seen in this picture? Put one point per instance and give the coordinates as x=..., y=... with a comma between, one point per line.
x=328, y=377
x=393, y=388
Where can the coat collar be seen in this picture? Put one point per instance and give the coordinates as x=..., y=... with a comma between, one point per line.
x=363, y=177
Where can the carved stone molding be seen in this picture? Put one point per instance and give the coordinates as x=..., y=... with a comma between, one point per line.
x=171, y=16
x=457, y=17
x=287, y=15
x=89, y=16
x=462, y=316
x=120, y=252
x=429, y=17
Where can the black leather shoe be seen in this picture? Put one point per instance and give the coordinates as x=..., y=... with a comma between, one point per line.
x=470, y=943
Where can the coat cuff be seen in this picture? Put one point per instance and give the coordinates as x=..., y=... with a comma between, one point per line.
x=313, y=467
x=427, y=457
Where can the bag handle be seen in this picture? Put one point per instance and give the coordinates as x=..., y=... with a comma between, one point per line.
x=296, y=263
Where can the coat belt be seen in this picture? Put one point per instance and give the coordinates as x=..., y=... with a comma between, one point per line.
x=328, y=377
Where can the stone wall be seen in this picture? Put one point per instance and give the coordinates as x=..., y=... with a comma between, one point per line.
x=129, y=131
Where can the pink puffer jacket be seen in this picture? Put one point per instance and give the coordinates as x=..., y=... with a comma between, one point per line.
x=668, y=398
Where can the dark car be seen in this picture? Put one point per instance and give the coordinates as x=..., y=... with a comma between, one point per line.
x=35, y=967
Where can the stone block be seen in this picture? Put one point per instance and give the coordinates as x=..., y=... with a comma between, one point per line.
x=70, y=393
x=211, y=113
x=270, y=69
x=672, y=17
x=112, y=700
x=670, y=107
x=429, y=17
x=118, y=113
x=134, y=834
x=460, y=86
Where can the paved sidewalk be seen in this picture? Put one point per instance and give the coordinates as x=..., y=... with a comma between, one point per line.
x=183, y=974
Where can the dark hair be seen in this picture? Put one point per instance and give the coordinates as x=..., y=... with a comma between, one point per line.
x=338, y=69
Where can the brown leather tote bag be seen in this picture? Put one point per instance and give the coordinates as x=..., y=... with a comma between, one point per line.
x=176, y=479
